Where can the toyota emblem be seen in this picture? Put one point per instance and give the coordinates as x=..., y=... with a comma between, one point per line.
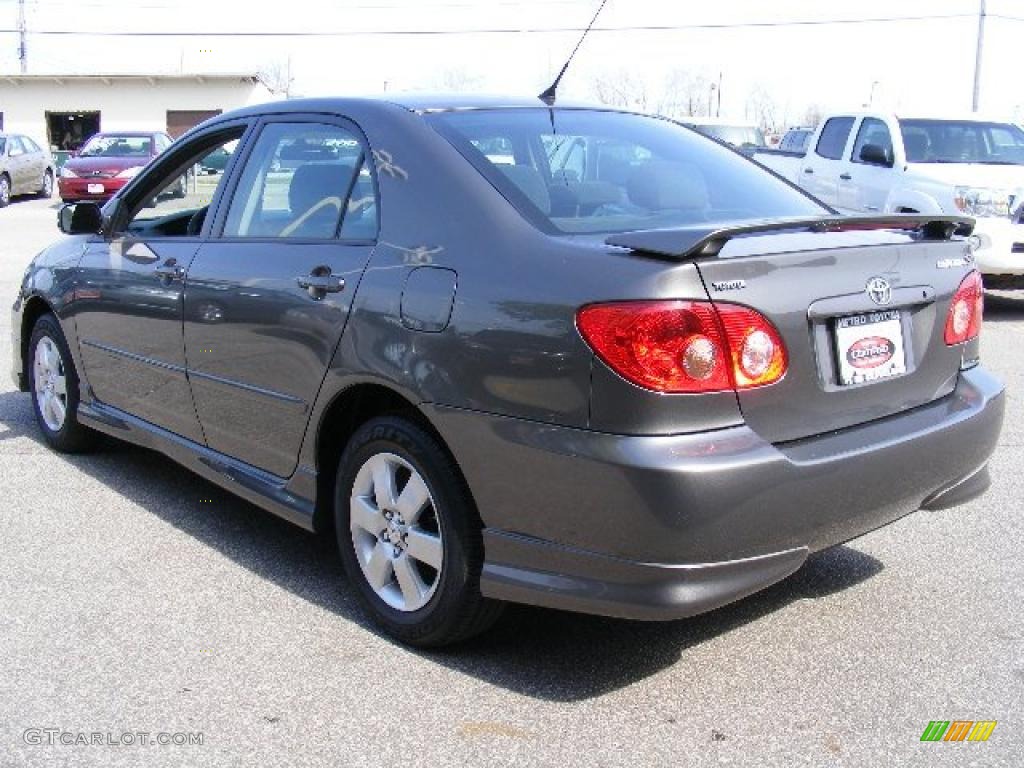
x=879, y=290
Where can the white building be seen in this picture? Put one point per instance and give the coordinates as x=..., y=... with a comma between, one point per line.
x=61, y=111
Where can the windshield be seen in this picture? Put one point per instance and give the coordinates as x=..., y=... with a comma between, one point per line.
x=737, y=135
x=117, y=146
x=587, y=171
x=953, y=141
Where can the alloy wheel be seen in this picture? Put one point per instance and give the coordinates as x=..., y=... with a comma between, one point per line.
x=396, y=532
x=47, y=184
x=50, y=384
x=5, y=191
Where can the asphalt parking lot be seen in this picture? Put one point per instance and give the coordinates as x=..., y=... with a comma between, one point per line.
x=137, y=598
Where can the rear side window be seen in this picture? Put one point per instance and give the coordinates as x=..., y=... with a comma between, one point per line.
x=306, y=181
x=833, y=137
x=589, y=171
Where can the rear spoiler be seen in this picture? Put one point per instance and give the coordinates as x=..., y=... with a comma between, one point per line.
x=706, y=241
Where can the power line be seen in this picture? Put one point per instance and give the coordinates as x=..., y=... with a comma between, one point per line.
x=504, y=30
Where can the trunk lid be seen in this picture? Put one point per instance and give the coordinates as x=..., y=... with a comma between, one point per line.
x=809, y=282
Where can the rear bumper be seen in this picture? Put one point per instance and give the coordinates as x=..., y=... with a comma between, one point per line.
x=78, y=189
x=670, y=526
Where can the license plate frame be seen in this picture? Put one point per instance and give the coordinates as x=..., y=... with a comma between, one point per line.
x=870, y=347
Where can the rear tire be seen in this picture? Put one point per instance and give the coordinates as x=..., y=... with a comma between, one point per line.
x=405, y=521
x=53, y=382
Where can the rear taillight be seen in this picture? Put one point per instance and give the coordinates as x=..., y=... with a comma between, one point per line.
x=684, y=346
x=963, y=322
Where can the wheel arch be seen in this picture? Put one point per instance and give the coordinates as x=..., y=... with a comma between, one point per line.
x=35, y=307
x=348, y=410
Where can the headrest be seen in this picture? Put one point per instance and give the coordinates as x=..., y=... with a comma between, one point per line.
x=662, y=185
x=314, y=182
x=530, y=183
x=916, y=145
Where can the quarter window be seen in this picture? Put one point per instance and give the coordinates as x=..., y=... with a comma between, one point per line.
x=304, y=180
x=833, y=137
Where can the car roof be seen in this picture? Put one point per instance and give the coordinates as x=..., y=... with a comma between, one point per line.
x=126, y=133
x=413, y=102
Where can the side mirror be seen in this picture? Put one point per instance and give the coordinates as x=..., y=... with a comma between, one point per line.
x=80, y=219
x=875, y=154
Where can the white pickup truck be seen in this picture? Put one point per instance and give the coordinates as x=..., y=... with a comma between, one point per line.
x=883, y=163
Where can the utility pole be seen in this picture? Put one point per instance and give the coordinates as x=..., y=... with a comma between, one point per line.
x=22, y=47
x=977, y=57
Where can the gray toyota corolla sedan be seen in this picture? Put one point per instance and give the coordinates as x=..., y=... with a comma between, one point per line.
x=564, y=356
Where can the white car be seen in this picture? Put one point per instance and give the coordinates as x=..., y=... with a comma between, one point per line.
x=743, y=136
x=881, y=163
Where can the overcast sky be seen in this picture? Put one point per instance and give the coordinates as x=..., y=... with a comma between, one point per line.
x=923, y=65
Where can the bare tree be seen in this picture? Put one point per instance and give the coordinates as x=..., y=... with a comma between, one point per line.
x=762, y=109
x=459, y=80
x=687, y=95
x=277, y=77
x=621, y=88
x=813, y=115
x=681, y=93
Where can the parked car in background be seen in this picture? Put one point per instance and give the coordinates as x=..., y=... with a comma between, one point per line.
x=643, y=382
x=25, y=168
x=796, y=140
x=883, y=163
x=746, y=137
x=108, y=161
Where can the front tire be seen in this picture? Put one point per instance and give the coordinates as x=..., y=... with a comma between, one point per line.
x=409, y=535
x=5, y=190
x=53, y=383
x=46, y=189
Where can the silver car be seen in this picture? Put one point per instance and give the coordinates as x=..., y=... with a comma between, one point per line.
x=25, y=168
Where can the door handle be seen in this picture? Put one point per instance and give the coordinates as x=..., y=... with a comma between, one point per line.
x=808, y=170
x=845, y=176
x=169, y=270
x=319, y=285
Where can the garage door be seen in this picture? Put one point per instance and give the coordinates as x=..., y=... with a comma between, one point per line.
x=180, y=120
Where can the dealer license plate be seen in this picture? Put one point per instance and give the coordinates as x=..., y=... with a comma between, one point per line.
x=870, y=347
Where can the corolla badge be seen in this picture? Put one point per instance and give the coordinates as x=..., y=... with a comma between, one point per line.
x=879, y=290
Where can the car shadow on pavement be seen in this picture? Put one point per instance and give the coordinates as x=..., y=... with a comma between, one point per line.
x=540, y=653
x=1004, y=306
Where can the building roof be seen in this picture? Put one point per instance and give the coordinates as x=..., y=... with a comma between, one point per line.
x=152, y=78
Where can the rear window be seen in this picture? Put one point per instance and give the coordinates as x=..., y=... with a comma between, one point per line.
x=108, y=145
x=833, y=137
x=587, y=171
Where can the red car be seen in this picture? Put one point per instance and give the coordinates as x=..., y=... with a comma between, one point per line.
x=108, y=161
